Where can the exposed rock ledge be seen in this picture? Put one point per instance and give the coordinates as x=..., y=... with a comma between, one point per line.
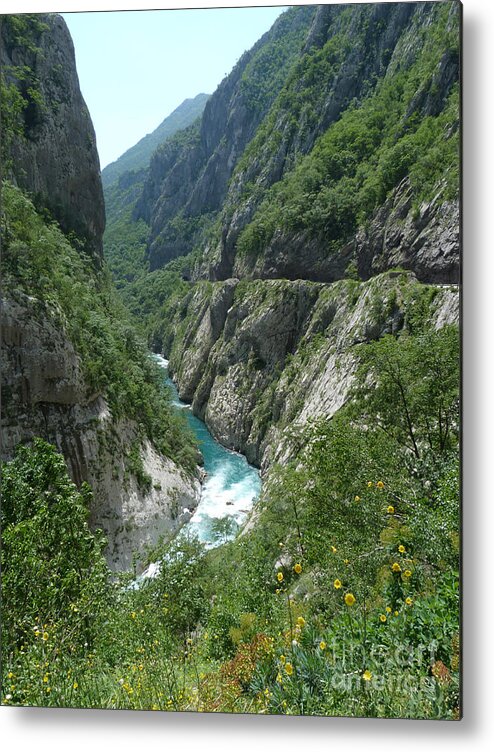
x=43, y=394
x=259, y=359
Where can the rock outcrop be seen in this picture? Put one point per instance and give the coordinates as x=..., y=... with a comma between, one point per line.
x=259, y=359
x=52, y=156
x=44, y=394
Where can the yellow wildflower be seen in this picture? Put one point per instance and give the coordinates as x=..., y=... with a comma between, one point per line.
x=408, y=601
x=322, y=645
x=396, y=567
x=75, y=685
x=297, y=568
x=369, y=484
x=349, y=599
x=357, y=498
x=333, y=549
x=279, y=576
x=133, y=614
x=401, y=549
x=289, y=669
x=383, y=618
x=282, y=658
x=396, y=613
x=407, y=573
x=300, y=621
x=367, y=675
x=346, y=561
x=390, y=509
x=380, y=484
x=45, y=636
x=337, y=584
x=388, y=609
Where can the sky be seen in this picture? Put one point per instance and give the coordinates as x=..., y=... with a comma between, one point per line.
x=136, y=67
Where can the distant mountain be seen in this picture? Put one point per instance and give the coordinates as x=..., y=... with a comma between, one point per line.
x=138, y=156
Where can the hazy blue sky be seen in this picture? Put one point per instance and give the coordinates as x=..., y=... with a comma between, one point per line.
x=135, y=68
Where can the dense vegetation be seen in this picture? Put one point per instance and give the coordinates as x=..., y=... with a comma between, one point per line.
x=343, y=599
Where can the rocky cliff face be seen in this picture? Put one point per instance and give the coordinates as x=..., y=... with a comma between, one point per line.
x=44, y=394
x=52, y=155
x=49, y=152
x=188, y=177
x=339, y=58
x=258, y=359
x=424, y=239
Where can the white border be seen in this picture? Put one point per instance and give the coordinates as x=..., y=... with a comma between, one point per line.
x=75, y=730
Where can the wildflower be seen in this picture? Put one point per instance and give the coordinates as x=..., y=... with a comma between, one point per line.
x=322, y=645
x=75, y=685
x=396, y=613
x=337, y=584
x=333, y=549
x=383, y=618
x=277, y=591
x=346, y=561
x=349, y=599
x=45, y=636
x=10, y=675
x=380, y=484
x=408, y=601
x=367, y=675
x=401, y=549
x=282, y=658
x=369, y=484
x=279, y=576
x=407, y=573
x=133, y=614
x=300, y=621
x=297, y=568
x=289, y=669
x=155, y=707
x=390, y=509
x=357, y=498
x=388, y=609
x=396, y=567
x=45, y=679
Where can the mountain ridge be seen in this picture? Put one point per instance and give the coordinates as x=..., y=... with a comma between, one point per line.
x=137, y=156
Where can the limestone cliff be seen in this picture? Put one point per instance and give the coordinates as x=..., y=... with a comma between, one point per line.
x=282, y=184
x=258, y=359
x=44, y=394
x=51, y=152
